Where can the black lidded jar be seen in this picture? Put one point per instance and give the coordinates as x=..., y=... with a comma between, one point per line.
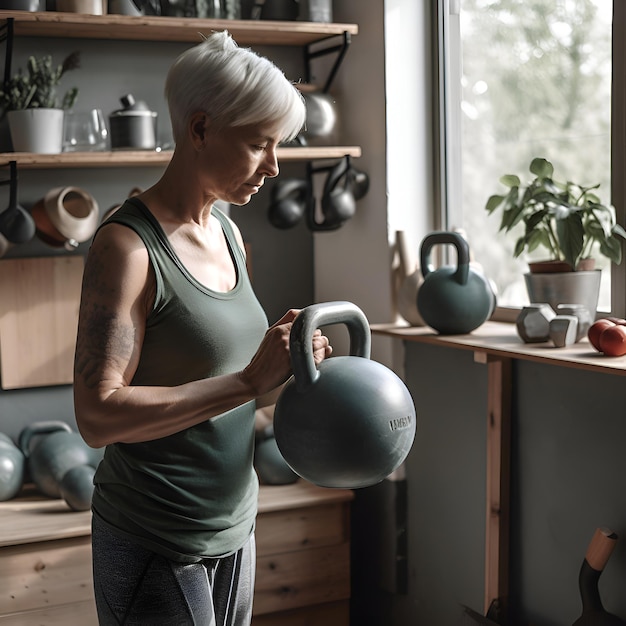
x=133, y=127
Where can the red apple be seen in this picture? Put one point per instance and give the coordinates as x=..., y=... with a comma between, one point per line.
x=596, y=329
x=613, y=340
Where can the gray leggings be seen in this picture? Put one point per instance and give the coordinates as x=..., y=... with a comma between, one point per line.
x=136, y=587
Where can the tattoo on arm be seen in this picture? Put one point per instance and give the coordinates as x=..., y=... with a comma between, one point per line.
x=103, y=339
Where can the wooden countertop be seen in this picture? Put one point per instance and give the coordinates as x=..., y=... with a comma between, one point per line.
x=31, y=517
x=501, y=339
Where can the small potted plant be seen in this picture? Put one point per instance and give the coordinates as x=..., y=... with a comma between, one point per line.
x=565, y=219
x=29, y=96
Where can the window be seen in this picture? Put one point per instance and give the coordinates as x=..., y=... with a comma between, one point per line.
x=520, y=80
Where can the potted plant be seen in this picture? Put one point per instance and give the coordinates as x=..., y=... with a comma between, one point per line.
x=565, y=219
x=34, y=111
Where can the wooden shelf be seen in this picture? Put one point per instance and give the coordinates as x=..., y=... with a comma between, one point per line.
x=147, y=158
x=500, y=339
x=156, y=28
x=32, y=517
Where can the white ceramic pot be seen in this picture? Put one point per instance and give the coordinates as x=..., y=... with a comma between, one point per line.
x=36, y=130
x=582, y=287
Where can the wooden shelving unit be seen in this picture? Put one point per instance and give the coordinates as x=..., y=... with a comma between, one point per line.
x=172, y=29
x=157, y=28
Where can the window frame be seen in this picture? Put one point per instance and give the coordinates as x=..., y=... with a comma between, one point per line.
x=448, y=141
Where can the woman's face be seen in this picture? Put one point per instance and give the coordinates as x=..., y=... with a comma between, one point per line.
x=237, y=160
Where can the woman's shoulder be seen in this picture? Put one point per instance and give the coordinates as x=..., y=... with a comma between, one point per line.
x=228, y=222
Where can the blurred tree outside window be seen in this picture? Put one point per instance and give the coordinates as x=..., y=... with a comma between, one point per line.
x=535, y=80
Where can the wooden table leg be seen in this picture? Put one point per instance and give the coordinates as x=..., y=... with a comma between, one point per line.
x=497, y=518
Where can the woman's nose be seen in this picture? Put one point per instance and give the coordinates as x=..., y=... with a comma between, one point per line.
x=270, y=164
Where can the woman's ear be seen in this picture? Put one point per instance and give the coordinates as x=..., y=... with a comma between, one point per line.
x=198, y=129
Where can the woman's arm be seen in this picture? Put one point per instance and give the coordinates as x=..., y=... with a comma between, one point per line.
x=118, y=291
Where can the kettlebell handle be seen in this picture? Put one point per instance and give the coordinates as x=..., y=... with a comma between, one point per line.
x=315, y=316
x=462, y=249
x=40, y=428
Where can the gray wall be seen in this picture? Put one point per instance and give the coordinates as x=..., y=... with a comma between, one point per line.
x=568, y=477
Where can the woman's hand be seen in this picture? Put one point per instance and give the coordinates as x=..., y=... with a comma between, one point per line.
x=271, y=365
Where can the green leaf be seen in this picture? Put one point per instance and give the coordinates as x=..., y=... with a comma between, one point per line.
x=534, y=219
x=541, y=168
x=493, y=203
x=570, y=234
x=520, y=244
x=511, y=217
x=510, y=180
x=537, y=238
x=612, y=249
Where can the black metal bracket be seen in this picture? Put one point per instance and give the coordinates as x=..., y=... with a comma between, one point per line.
x=6, y=34
x=340, y=49
x=12, y=181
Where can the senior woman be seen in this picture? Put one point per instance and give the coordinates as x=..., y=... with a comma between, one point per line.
x=174, y=353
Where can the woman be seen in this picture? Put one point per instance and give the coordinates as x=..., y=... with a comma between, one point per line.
x=173, y=354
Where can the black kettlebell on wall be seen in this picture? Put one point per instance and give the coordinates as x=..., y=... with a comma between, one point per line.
x=287, y=202
x=292, y=199
x=338, y=201
x=349, y=422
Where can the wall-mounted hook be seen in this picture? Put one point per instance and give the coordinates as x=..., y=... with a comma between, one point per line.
x=16, y=224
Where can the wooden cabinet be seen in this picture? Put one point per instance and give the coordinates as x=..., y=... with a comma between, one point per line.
x=303, y=560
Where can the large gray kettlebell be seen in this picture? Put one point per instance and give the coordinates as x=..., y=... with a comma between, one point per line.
x=349, y=422
x=11, y=468
x=56, y=450
x=453, y=300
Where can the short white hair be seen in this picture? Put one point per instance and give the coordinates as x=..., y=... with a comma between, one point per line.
x=234, y=86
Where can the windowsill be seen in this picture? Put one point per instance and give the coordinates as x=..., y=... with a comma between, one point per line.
x=501, y=339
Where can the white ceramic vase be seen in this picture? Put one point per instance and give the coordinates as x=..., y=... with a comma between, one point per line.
x=36, y=130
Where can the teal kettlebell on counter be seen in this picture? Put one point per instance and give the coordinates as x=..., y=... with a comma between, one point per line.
x=51, y=449
x=349, y=422
x=11, y=468
x=453, y=300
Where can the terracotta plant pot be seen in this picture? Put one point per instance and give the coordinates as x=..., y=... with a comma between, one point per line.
x=552, y=267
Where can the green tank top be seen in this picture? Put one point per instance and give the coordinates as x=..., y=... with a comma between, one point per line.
x=192, y=494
